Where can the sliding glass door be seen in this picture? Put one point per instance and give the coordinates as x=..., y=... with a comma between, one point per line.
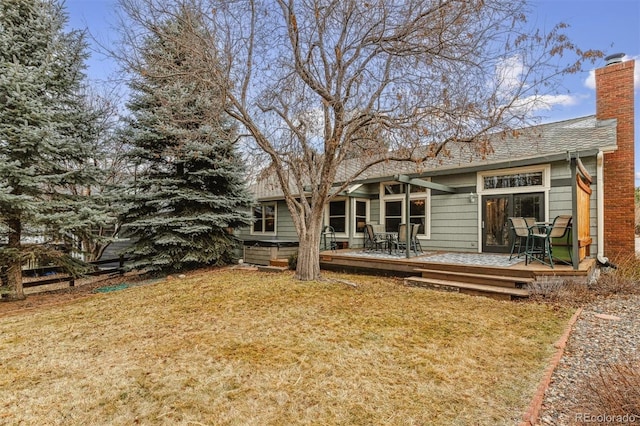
x=496, y=210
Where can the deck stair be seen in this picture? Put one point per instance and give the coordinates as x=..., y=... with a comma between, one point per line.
x=502, y=286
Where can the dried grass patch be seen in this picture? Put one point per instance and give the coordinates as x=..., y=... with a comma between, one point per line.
x=237, y=347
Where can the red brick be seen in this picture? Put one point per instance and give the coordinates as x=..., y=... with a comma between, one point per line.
x=615, y=99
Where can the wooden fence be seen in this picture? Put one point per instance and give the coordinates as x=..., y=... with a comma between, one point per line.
x=581, y=209
x=44, y=271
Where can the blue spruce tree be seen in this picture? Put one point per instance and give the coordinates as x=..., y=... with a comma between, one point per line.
x=189, y=190
x=43, y=136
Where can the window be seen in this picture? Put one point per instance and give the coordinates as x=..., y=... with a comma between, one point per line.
x=338, y=215
x=347, y=216
x=393, y=188
x=513, y=181
x=392, y=215
x=393, y=206
x=398, y=188
x=360, y=215
x=418, y=213
x=264, y=218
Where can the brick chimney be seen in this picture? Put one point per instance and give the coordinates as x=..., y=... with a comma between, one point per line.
x=614, y=99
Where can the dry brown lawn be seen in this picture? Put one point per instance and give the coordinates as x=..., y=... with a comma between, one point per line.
x=247, y=348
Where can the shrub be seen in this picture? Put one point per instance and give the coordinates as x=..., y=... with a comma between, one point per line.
x=293, y=261
x=623, y=280
x=619, y=281
x=614, y=391
x=556, y=290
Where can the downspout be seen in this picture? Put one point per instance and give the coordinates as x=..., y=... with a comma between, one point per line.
x=600, y=209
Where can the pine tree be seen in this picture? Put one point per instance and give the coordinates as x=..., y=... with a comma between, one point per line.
x=43, y=133
x=190, y=189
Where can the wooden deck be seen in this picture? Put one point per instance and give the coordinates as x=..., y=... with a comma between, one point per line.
x=472, y=273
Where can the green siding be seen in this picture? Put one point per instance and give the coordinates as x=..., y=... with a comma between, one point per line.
x=454, y=224
x=453, y=218
x=284, y=226
x=462, y=180
x=374, y=211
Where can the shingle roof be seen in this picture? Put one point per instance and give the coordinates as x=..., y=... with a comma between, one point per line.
x=575, y=135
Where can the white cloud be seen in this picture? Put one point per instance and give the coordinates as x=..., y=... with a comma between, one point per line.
x=509, y=74
x=547, y=102
x=590, y=81
x=539, y=103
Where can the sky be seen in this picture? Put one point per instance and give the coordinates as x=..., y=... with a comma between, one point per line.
x=612, y=26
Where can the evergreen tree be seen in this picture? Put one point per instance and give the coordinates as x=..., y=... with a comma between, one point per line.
x=43, y=133
x=189, y=188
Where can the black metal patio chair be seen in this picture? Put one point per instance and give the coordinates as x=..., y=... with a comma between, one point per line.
x=373, y=241
x=329, y=241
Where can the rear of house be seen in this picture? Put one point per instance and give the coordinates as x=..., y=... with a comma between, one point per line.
x=462, y=201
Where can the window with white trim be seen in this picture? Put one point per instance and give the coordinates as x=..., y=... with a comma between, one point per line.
x=264, y=218
x=338, y=215
x=418, y=213
x=515, y=180
x=360, y=215
x=392, y=206
x=520, y=179
x=392, y=214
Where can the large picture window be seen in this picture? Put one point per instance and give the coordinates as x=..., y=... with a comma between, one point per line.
x=347, y=216
x=264, y=218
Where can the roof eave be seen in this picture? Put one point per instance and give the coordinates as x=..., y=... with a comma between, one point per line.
x=501, y=164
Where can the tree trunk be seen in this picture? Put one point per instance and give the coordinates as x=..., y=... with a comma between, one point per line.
x=308, y=268
x=14, y=267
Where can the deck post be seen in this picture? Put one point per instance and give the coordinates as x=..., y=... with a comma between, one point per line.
x=407, y=218
x=575, y=238
x=121, y=263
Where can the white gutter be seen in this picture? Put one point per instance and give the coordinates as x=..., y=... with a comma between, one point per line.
x=600, y=207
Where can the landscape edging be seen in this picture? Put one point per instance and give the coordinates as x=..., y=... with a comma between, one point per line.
x=530, y=417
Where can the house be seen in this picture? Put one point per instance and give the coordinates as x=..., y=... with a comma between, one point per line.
x=462, y=201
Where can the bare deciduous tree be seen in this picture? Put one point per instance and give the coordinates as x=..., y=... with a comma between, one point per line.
x=329, y=88
x=102, y=223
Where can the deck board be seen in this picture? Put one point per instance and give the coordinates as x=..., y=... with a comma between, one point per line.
x=357, y=260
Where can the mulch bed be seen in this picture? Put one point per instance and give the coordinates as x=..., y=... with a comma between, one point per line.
x=606, y=333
